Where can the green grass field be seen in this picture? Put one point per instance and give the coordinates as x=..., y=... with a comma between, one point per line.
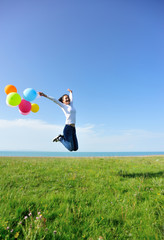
x=82, y=198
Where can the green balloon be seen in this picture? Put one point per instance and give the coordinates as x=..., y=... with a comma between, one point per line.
x=13, y=99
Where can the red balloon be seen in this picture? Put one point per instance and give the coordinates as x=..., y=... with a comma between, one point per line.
x=25, y=106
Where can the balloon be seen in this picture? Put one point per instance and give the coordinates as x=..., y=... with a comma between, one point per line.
x=13, y=99
x=10, y=89
x=29, y=94
x=24, y=113
x=25, y=106
x=34, y=107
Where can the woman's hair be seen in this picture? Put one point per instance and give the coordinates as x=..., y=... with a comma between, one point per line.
x=61, y=98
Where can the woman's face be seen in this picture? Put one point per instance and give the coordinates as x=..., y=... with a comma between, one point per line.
x=66, y=99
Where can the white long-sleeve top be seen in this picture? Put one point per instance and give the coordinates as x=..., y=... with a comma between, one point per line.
x=69, y=110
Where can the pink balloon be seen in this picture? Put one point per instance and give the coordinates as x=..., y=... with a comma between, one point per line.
x=24, y=113
x=25, y=106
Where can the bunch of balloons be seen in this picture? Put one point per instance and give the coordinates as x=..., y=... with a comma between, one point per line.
x=25, y=106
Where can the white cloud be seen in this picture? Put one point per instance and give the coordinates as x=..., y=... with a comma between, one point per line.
x=37, y=135
x=28, y=134
x=129, y=140
x=27, y=123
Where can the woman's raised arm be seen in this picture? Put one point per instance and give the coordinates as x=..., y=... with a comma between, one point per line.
x=42, y=94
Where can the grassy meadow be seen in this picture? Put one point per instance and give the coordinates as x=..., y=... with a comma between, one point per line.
x=82, y=198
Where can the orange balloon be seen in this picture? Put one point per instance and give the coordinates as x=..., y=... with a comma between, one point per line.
x=10, y=89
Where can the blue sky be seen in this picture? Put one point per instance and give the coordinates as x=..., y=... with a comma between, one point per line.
x=110, y=53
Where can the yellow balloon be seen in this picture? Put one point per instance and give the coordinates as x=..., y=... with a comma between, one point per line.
x=34, y=107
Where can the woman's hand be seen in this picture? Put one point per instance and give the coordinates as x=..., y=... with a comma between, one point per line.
x=42, y=94
x=69, y=90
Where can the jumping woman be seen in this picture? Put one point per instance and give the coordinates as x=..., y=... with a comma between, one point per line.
x=68, y=139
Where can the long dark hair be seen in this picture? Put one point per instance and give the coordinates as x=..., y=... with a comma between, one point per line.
x=61, y=98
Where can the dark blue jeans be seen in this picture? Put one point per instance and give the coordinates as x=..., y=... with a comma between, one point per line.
x=69, y=140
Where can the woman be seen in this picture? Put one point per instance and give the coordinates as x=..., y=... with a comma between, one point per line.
x=68, y=139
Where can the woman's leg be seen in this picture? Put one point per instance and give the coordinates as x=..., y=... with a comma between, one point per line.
x=67, y=139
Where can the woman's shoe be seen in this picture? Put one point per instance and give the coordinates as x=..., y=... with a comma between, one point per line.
x=57, y=138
